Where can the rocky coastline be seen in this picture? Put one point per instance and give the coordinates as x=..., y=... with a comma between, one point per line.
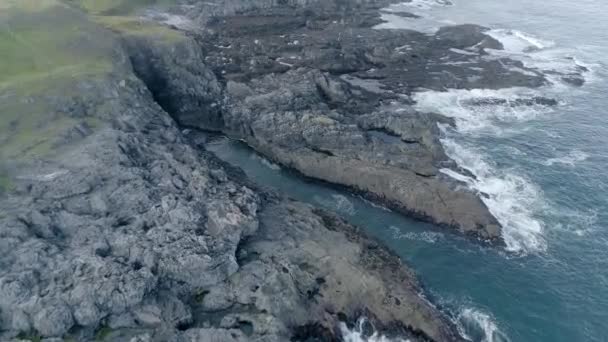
x=115, y=226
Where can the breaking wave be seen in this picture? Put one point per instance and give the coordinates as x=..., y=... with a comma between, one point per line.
x=517, y=41
x=425, y=4
x=478, y=326
x=358, y=333
x=478, y=109
x=542, y=55
x=511, y=198
x=396, y=16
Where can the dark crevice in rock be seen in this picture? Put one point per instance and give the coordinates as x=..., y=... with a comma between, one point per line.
x=246, y=327
x=424, y=175
x=322, y=151
x=313, y=332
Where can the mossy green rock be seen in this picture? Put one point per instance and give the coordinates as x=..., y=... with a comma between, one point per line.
x=47, y=52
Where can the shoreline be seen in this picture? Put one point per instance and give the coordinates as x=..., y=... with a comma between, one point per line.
x=125, y=229
x=125, y=232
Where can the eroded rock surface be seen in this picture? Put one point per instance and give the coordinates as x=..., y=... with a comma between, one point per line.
x=313, y=86
x=113, y=226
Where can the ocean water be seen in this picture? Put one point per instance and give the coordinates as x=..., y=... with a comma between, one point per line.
x=545, y=171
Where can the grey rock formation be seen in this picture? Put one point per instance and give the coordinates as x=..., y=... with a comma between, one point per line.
x=390, y=155
x=124, y=231
x=179, y=80
x=329, y=97
x=298, y=274
x=115, y=226
x=311, y=85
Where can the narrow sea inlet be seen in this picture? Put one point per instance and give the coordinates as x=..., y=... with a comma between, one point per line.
x=538, y=165
x=304, y=170
x=478, y=286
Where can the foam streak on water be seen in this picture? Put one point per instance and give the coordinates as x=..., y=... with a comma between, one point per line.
x=570, y=159
x=476, y=326
x=511, y=198
x=420, y=8
x=337, y=203
x=517, y=41
x=481, y=109
x=357, y=334
x=542, y=55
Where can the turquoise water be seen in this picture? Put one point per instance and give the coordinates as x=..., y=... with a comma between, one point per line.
x=544, y=169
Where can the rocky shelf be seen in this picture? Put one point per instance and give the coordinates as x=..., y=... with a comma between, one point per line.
x=114, y=226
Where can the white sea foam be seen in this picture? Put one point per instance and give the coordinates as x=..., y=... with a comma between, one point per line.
x=357, y=335
x=428, y=237
x=479, y=326
x=266, y=162
x=540, y=54
x=179, y=21
x=338, y=203
x=569, y=159
x=424, y=5
x=373, y=204
x=580, y=223
x=416, y=6
x=421, y=8
x=472, y=114
x=517, y=41
x=512, y=199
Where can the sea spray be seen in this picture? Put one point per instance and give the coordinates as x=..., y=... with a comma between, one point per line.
x=482, y=110
x=510, y=197
x=478, y=326
x=358, y=334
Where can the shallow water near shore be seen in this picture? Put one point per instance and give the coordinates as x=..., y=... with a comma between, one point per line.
x=541, y=168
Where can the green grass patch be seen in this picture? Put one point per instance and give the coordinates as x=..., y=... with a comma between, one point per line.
x=116, y=7
x=200, y=295
x=53, y=42
x=5, y=183
x=139, y=27
x=102, y=333
x=27, y=5
x=45, y=52
x=29, y=336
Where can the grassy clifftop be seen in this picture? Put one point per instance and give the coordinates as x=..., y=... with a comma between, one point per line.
x=42, y=39
x=50, y=53
x=116, y=7
x=130, y=25
x=45, y=48
x=48, y=41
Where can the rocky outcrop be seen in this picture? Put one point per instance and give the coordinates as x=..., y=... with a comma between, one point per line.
x=179, y=80
x=323, y=93
x=314, y=279
x=392, y=156
x=121, y=229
